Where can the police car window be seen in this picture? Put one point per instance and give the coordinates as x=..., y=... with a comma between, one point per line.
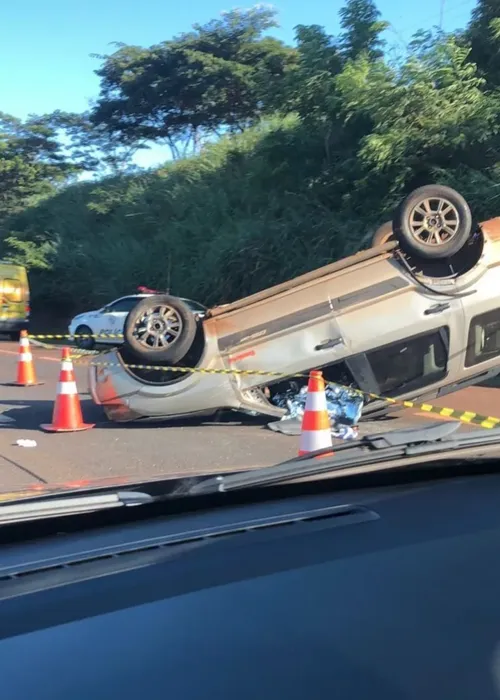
x=123, y=305
x=412, y=363
x=483, y=342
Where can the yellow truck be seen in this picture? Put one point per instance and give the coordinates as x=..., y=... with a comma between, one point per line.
x=14, y=299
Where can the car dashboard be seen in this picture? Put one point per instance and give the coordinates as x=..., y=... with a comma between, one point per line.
x=388, y=591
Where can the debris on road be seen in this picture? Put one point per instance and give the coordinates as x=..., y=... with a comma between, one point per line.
x=25, y=443
x=344, y=408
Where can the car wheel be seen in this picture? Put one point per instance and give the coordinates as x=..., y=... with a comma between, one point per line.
x=433, y=222
x=14, y=335
x=84, y=343
x=383, y=234
x=160, y=329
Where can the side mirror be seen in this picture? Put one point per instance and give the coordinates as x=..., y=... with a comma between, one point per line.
x=105, y=309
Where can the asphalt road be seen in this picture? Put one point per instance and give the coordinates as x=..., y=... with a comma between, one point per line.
x=146, y=451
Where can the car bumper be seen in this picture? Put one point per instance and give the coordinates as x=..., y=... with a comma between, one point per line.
x=103, y=393
x=125, y=398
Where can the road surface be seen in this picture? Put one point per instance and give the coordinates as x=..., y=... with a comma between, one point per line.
x=110, y=450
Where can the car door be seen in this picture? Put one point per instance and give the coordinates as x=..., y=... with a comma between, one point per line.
x=402, y=337
x=296, y=328
x=289, y=333
x=113, y=318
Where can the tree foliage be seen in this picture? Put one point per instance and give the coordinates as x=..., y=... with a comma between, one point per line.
x=361, y=29
x=433, y=113
x=194, y=86
x=93, y=148
x=483, y=35
x=32, y=161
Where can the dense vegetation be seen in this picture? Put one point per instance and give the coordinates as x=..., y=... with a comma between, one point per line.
x=283, y=157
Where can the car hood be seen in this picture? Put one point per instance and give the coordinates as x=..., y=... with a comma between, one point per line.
x=87, y=314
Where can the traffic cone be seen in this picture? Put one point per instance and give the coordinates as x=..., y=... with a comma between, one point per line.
x=315, y=432
x=67, y=415
x=26, y=375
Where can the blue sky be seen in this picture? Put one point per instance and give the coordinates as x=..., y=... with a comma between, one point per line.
x=45, y=46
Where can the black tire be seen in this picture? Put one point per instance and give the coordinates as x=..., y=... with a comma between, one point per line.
x=383, y=234
x=410, y=214
x=177, y=348
x=14, y=335
x=84, y=343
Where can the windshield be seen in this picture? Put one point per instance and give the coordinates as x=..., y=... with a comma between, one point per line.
x=238, y=239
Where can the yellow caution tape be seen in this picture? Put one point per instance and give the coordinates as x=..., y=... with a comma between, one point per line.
x=463, y=416
x=66, y=336
x=88, y=353
x=80, y=352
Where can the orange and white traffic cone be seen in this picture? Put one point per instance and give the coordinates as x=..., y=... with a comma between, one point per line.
x=26, y=375
x=315, y=432
x=67, y=415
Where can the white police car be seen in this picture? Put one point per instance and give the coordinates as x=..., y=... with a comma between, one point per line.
x=110, y=320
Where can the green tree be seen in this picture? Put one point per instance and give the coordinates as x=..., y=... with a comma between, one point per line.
x=216, y=78
x=32, y=161
x=91, y=147
x=433, y=114
x=483, y=35
x=361, y=29
x=308, y=87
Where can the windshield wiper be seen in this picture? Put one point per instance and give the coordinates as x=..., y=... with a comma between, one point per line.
x=48, y=506
x=439, y=438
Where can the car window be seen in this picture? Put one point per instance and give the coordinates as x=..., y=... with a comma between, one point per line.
x=411, y=364
x=123, y=305
x=483, y=342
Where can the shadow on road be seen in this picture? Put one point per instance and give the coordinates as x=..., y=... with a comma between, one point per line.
x=221, y=418
x=29, y=414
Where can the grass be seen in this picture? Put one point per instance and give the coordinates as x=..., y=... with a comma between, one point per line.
x=247, y=213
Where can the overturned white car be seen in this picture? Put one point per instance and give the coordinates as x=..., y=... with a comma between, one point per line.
x=417, y=316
